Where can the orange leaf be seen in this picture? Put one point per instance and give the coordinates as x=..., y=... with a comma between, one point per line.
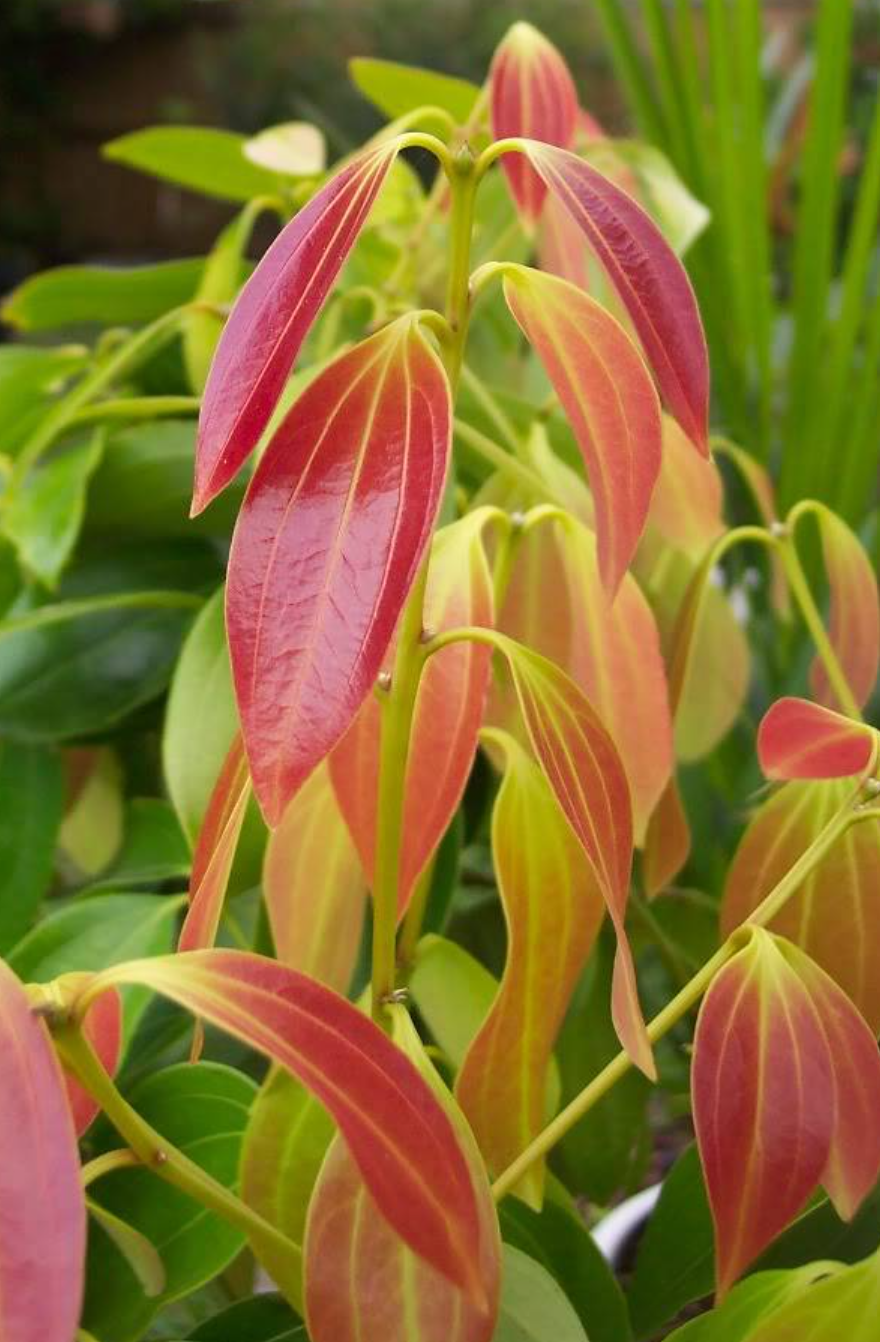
x=553, y=910
x=798, y=739
x=42, y=1208
x=215, y=850
x=314, y=886
x=667, y=842
x=448, y=713
x=609, y=398
x=854, y=613
x=688, y=499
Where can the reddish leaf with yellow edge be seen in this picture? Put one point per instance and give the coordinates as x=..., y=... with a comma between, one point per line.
x=835, y=915
x=648, y=276
x=103, y=1029
x=555, y=604
x=215, y=850
x=585, y=772
x=854, y=611
x=609, y=398
x=763, y=1101
x=327, y=544
x=42, y=1208
x=553, y=910
x=447, y=718
x=800, y=739
x=854, y=1161
x=533, y=94
x=402, y=1141
x=667, y=842
x=314, y=887
x=272, y=316
x=362, y=1284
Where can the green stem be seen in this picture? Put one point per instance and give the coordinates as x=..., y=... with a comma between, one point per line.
x=156, y=1154
x=108, y=1163
x=136, y=407
x=502, y=460
x=687, y=998
x=493, y=410
x=415, y=917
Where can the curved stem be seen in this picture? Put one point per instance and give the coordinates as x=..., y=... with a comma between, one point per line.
x=135, y=408
x=121, y=1159
x=493, y=410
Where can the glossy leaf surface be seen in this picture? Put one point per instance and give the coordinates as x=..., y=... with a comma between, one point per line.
x=854, y=611
x=763, y=1097
x=215, y=850
x=42, y=1211
x=533, y=94
x=834, y=915
x=413, y=1164
x=799, y=739
x=447, y=717
x=314, y=887
x=553, y=909
x=274, y=311
x=647, y=275
x=328, y=541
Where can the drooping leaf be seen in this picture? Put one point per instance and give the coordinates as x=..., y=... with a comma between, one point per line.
x=533, y=94
x=555, y=604
x=201, y=158
x=314, y=887
x=273, y=313
x=844, y=1305
x=43, y=1220
x=800, y=739
x=31, y=799
x=608, y=395
x=763, y=1098
x=397, y=89
x=553, y=909
x=103, y=1029
x=647, y=275
x=446, y=719
x=667, y=841
x=834, y=915
x=413, y=1165
x=854, y=611
x=646, y=173
x=215, y=850
x=307, y=640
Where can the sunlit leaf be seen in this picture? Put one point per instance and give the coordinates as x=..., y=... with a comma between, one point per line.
x=854, y=611
x=295, y=148
x=326, y=547
x=273, y=313
x=43, y=1222
x=799, y=739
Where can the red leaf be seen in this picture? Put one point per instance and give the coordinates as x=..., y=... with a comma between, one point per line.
x=272, y=315
x=799, y=739
x=42, y=1209
x=648, y=276
x=403, y=1143
x=103, y=1029
x=763, y=1100
x=328, y=542
x=447, y=718
x=609, y=398
x=533, y=94
x=314, y=888
x=854, y=613
x=215, y=850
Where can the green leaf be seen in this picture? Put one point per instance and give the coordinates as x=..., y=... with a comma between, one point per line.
x=43, y=517
x=153, y=850
x=294, y=148
x=397, y=89
x=453, y=993
x=29, y=377
x=209, y=161
x=202, y=1109
x=93, y=933
x=533, y=1308
x=676, y=1259
x=135, y=1248
x=31, y=800
x=262, y=1318
x=750, y=1302
x=110, y=295
x=143, y=486
x=558, y=1240
x=218, y=285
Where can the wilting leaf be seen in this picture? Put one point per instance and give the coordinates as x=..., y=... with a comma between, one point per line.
x=667, y=841
x=43, y=1225
x=314, y=887
x=843, y=1305
x=215, y=850
x=533, y=94
x=307, y=639
x=609, y=398
x=273, y=313
x=553, y=909
x=555, y=604
x=202, y=158
x=854, y=611
x=446, y=720
x=834, y=916
x=647, y=275
x=397, y=89
x=764, y=1101
x=103, y=1029
x=799, y=739
x=413, y=1165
